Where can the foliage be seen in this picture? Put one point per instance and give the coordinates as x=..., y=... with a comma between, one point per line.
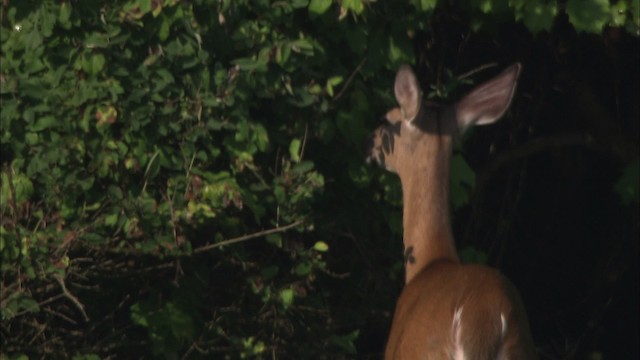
x=139, y=137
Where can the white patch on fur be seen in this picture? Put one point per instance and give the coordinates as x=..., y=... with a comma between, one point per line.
x=457, y=352
x=503, y=320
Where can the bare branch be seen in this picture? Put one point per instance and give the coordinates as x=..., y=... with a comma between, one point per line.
x=476, y=70
x=247, y=237
x=70, y=296
x=349, y=80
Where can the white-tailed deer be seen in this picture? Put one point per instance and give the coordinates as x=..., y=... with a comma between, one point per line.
x=447, y=310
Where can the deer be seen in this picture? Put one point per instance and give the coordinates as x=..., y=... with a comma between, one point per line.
x=446, y=309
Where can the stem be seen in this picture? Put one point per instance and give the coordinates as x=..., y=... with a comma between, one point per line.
x=247, y=237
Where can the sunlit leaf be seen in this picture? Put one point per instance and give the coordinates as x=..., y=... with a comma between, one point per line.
x=294, y=150
x=356, y=6
x=286, y=297
x=321, y=246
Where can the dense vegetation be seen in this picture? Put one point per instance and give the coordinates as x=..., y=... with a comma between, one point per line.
x=184, y=179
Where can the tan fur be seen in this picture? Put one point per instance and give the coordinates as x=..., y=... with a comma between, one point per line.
x=447, y=310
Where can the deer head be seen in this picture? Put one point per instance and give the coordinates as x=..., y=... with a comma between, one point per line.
x=397, y=144
x=416, y=143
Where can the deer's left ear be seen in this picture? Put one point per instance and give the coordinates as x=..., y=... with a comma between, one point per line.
x=407, y=92
x=489, y=101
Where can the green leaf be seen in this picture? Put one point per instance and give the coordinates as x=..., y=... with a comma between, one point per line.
x=619, y=13
x=31, y=138
x=537, y=15
x=33, y=40
x=286, y=297
x=94, y=64
x=303, y=167
x=96, y=40
x=165, y=28
x=354, y=5
x=283, y=52
x=261, y=137
x=321, y=246
x=400, y=50
x=274, y=239
x=64, y=15
x=425, y=5
x=249, y=64
x=28, y=304
x=22, y=186
x=44, y=123
x=303, y=269
x=280, y=193
x=144, y=6
x=296, y=4
x=589, y=15
x=346, y=342
x=111, y=219
x=319, y=7
x=331, y=83
x=294, y=150
x=138, y=315
x=303, y=46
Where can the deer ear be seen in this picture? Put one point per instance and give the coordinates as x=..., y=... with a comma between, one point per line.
x=407, y=92
x=489, y=101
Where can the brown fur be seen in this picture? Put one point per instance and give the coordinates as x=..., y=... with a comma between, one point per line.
x=417, y=145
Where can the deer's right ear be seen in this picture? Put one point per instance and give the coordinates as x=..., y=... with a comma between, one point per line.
x=407, y=92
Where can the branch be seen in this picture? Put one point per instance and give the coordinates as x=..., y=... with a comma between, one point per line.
x=70, y=296
x=349, y=80
x=247, y=237
x=476, y=70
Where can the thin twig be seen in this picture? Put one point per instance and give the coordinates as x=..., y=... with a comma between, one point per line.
x=335, y=275
x=476, y=70
x=188, y=175
x=60, y=315
x=247, y=237
x=304, y=141
x=70, y=296
x=349, y=80
x=51, y=299
x=174, y=231
x=146, y=171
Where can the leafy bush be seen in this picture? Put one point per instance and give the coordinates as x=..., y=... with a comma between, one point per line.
x=171, y=169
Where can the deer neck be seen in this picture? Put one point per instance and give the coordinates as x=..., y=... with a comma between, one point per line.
x=427, y=230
